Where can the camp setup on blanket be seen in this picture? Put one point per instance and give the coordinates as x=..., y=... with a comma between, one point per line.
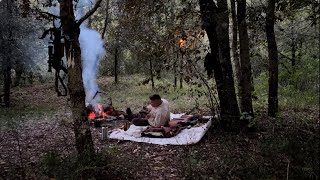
x=190, y=130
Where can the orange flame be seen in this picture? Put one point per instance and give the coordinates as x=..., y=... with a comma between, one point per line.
x=182, y=42
x=92, y=115
x=101, y=112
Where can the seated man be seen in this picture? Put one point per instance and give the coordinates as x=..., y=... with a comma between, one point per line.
x=158, y=113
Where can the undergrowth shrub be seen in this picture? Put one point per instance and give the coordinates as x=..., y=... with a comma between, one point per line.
x=99, y=166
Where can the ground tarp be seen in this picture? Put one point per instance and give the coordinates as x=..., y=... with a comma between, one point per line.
x=187, y=136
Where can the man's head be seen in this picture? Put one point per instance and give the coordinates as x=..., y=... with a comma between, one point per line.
x=155, y=100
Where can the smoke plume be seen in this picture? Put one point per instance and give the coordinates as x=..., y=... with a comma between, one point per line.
x=92, y=50
x=91, y=53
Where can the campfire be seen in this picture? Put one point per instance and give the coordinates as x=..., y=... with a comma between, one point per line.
x=99, y=114
x=98, y=111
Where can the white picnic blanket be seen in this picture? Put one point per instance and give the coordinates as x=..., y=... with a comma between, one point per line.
x=185, y=137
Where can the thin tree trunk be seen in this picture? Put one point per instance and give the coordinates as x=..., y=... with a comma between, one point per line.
x=219, y=60
x=151, y=73
x=293, y=54
x=181, y=71
x=245, y=86
x=175, y=71
x=7, y=81
x=106, y=20
x=235, y=41
x=84, y=143
x=116, y=65
x=273, y=60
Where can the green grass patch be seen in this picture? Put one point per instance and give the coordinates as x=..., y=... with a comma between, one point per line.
x=128, y=93
x=289, y=96
x=16, y=116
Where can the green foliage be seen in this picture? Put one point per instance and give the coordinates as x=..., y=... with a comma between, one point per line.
x=297, y=90
x=261, y=90
x=290, y=97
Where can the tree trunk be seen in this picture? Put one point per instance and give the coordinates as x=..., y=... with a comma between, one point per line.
x=245, y=86
x=7, y=81
x=175, y=72
x=232, y=109
x=116, y=65
x=84, y=143
x=106, y=20
x=181, y=71
x=273, y=60
x=293, y=46
x=151, y=73
x=235, y=41
x=293, y=54
x=220, y=60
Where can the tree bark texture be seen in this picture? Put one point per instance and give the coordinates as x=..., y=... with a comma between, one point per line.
x=234, y=46
x=245, y=86
x=116, y=65
x=84, y=143
x=273, y=60
x=225, y=60
x=215, y=21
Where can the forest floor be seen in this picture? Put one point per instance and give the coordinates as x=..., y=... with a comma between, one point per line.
x=37, y=141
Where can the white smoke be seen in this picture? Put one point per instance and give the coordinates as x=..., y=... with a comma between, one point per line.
x=92, y=49
x=91, y=53
x=55, y=10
